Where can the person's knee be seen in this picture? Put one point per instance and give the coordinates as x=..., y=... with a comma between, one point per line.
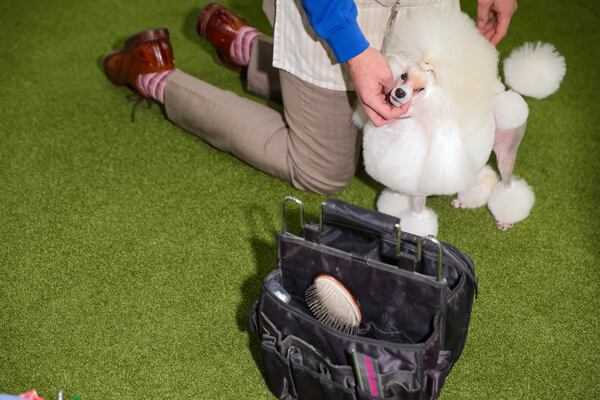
x=327, y=180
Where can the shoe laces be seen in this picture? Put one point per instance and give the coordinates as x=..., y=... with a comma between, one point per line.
x=139, y=99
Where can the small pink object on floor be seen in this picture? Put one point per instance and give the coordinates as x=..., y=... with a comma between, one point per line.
x=32, y=395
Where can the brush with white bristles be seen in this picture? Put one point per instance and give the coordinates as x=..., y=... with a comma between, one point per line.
x=331, y=303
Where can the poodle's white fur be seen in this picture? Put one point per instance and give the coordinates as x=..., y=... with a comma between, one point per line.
x=458, y=113
x=420, y=223
x=511, y=204
x=510, y=110
x=477, y=195
x=544, y=73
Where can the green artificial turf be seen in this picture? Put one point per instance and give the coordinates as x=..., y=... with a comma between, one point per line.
x=131, y=252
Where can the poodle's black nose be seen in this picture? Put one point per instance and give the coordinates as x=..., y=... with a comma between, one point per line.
x=400, y=93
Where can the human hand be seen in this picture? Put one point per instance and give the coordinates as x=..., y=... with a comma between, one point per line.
x=373, y=80
x=493, y=18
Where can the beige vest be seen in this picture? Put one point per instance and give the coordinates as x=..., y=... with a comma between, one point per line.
x=299, y=51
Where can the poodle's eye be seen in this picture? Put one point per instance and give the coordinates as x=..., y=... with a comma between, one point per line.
x=419, y=89
x=404, y=76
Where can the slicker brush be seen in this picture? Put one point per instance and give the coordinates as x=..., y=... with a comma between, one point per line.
x=331, y=303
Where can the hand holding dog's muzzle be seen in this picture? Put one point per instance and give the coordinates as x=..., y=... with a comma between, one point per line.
x=373, y=81
x=401, y=95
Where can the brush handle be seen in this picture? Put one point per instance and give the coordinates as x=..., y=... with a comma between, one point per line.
x=337, y=212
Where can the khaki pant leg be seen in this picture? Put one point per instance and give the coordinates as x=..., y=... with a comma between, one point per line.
x=262, y=77
x=316, y=151
x=252, y=132
x=324, y=144
x=268, y=7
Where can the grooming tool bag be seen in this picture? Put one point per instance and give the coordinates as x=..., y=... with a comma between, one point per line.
x=415, y=296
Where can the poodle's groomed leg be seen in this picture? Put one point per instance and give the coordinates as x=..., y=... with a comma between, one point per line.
x=414, y=216
x=477, y=195
x=511, y=199
x=506, y=144
x=392, y=203
x=511, y=204
x=418, y=219
x=419, y=204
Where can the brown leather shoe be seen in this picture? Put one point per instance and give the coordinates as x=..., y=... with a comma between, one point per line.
x=143, y=52
x=219, y=26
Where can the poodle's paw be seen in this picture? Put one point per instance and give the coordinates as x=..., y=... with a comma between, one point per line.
x=477, y=195
x=392, y=203
x=456, y=203
x=503, y=226
x=422, y=224
x=511, y=204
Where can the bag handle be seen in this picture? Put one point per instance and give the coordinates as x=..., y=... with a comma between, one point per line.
x=440, y=254
x=338, y=212
x=286, y=200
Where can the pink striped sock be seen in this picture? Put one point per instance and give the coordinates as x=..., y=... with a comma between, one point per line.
x=153, y=84
x=242, y=44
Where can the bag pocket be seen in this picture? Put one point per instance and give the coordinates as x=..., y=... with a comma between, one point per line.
x=294, y=319
x=315, y=377
x=285, y=320
x=295, y=368
x=372, y=331
x=277, y=370
x=400, y=385
x=315, y=385
x=389, y=297
x=436, y=378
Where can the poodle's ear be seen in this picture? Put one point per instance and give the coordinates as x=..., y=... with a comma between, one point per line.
x=397, y=65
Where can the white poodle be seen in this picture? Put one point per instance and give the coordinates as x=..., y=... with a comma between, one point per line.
x=459, y=112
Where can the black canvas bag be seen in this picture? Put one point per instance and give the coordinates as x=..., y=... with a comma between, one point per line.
x=415, y=296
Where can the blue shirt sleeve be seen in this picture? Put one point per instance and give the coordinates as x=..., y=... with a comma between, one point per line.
x=335, y=22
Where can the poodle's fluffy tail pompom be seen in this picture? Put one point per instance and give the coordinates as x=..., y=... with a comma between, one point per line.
x=512, y=204
x=535, y=70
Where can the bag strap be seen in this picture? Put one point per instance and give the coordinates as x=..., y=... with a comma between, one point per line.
x=337, y=212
